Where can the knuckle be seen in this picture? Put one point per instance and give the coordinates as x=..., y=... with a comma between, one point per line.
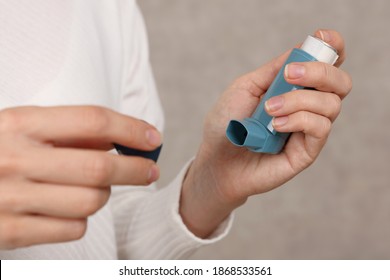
x=335, y=106
x=349, y=83
x=98, y=169
x=10, y=120
x=326, y=127
x=303, y=99
x=247, y=83
x=304, y=119
x=324, y=74
x=96, y=120
x=9, y=163
x=240, y=81
x=10, y=234
x=10, y=201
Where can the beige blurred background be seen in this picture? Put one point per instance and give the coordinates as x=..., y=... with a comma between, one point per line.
x=340, y=207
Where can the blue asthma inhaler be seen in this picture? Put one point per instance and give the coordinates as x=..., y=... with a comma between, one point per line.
x=257, y=133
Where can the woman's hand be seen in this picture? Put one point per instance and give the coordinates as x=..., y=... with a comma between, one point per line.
x=55, y=171
x=223, y=176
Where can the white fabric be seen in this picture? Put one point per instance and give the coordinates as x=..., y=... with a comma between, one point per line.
x=56, y=52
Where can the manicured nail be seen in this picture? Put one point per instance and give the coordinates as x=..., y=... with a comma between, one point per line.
x=275, y=103
x=325, y=35
x=294, y=71
x=278, y=122
x=153, y=174
x=153, y=137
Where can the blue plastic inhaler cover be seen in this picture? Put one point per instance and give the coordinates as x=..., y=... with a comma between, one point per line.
x=153, y=155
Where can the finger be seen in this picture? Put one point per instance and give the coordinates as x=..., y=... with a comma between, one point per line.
x=334, y=39
x=264, y=76
x=310, y=132
x=309, y=123
x=258, y=81
x=52, y=200
x=321, y=103
x=91, y=144
x=318, y=75
x=87, y=168
x=21, y=231
x=86, y=123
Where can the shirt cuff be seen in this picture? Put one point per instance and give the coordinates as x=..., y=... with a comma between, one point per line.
x=171, y=238
x=174, y=192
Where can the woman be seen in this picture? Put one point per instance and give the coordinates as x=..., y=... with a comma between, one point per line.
x=86, y=64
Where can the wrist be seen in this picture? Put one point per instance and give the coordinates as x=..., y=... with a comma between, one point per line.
x=204, y=204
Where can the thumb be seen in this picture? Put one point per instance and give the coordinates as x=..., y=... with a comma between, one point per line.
x=258, y=81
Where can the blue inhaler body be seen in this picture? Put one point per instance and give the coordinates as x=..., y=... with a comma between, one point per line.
x=257, y=133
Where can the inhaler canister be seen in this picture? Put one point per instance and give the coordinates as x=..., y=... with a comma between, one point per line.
x=257, y=133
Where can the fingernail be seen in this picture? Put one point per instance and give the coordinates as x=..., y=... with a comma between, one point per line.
x=153, y=137
x=153, y=174
x=294, y=71
x=278, y=122
x=275, y=103
x=325, y=35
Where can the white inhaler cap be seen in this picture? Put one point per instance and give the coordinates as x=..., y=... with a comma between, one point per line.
x=320, y=50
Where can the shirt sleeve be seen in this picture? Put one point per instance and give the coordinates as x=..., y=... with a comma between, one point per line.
x=147, y=220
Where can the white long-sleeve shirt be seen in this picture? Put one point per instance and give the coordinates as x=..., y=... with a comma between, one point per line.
x=94, y=52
